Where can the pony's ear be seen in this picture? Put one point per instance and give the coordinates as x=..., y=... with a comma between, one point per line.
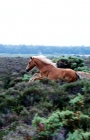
x=31, y=57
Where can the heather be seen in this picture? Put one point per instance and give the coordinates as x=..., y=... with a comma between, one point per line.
x=43, y=110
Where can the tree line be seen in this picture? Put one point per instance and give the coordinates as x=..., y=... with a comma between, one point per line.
x=31, y=49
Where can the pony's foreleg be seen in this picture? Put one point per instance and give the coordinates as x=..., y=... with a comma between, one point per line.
x=36, y=76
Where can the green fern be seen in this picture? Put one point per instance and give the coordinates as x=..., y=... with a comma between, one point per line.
x=26, y=77
x=79, y=99
x=86, y=135
x=79, y=135
x=75, y=136
x=58, y=119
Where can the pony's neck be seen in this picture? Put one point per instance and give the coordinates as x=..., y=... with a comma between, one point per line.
x=40, y=64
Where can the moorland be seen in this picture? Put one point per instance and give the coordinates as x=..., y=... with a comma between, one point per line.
x=43, y=110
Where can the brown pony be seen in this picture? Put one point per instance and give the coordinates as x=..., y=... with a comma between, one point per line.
x=49, y=70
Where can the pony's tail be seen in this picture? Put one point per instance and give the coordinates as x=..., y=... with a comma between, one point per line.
x=83, y=75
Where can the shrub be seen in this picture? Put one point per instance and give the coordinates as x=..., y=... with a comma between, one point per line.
x=70, y=62
x=78, y=100
x=79, y=135
x=47, y=127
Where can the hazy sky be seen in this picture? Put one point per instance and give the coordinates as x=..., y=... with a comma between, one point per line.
x=45, y=22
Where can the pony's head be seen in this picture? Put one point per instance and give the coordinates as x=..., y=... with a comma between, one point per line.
x=40, y=58
x=30, y=65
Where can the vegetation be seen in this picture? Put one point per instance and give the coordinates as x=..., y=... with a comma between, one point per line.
x=72, y=62
x=43, y=110
x=53, y=50
x=62, y=119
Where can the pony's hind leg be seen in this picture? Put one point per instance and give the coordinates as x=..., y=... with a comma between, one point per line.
x=72, y=80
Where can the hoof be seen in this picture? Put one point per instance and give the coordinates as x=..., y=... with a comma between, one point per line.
x=31, y=80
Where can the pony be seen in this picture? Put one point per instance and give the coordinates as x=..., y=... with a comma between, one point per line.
x=49, y=70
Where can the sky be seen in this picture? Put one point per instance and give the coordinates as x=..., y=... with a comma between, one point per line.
x=45, y=22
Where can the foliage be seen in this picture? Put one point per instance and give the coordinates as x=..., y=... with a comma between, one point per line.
x=26, y=77
x=63, y=108
x=51, y=125
x=70, y=62
x=79, y=99
x=8, y=83
x=20, y=132
x=84, y=68
x=79, y=135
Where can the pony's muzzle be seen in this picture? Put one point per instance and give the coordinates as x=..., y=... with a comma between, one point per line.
x=27, y=70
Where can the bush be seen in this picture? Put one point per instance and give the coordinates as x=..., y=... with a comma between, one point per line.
x=70, y=62
x=47, y=127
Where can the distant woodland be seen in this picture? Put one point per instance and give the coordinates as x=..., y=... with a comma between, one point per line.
x=31, y=49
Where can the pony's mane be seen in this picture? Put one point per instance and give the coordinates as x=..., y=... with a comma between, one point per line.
x=45, y=60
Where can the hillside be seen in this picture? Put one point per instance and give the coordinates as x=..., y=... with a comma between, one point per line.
x=43, y=110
